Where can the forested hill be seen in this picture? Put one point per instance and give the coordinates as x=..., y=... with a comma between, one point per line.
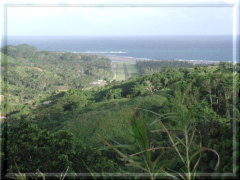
x=178, y=119
x=30, y=73
x=106, y=130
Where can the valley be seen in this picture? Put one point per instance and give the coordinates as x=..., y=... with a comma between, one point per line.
x=88, y=113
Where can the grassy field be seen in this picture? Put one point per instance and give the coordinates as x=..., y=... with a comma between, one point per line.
x=120, y=74
x=132, y=69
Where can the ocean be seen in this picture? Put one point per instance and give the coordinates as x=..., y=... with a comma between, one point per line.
x=214, y=48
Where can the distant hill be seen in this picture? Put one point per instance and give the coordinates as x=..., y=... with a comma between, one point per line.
x=31, y=73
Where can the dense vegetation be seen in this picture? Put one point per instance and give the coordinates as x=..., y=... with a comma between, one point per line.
x=31, y=73
x=177, y=120
x=150, y=67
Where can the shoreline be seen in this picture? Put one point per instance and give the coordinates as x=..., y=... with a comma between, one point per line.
x=133, y=60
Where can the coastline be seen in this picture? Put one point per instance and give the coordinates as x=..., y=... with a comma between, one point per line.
x=133, y=60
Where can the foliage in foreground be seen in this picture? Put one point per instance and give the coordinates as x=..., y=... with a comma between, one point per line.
x=194, y=103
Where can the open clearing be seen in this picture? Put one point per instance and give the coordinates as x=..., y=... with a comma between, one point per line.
x=123, y=67
x=132, y=70
x=124, y=70
x=120, y=74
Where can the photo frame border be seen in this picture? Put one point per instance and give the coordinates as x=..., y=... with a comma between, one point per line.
x=235, y=6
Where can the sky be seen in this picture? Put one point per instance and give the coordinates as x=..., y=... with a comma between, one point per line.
x=63, y=20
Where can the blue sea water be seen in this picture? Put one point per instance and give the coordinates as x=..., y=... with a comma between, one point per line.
x=216, y=48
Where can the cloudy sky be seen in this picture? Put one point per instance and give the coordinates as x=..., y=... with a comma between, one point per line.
x=102, y=21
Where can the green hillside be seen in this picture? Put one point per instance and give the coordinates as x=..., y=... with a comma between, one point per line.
x=175, y=120
x=32, y=74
